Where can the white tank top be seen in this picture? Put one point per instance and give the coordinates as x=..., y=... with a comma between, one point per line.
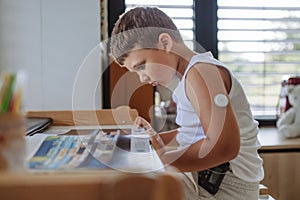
x=247, y=165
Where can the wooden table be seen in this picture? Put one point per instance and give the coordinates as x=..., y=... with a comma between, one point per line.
x=95, y=184
x=271, y=140
x=281, y=158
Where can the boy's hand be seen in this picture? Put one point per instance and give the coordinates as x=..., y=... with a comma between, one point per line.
x=156, y=140
x=142, y=123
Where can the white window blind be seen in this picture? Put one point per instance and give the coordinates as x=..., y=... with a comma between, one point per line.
x=181, y=12
x=259, y=40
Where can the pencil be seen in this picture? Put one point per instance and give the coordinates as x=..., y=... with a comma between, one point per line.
x=4, y=87
x=8, y=93
x=16, y=103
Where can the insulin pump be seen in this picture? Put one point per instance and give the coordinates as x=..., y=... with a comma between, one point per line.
x=211, y=179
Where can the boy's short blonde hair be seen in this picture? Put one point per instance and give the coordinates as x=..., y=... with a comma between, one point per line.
x=140, y=27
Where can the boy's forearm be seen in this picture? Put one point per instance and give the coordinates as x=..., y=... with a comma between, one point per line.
x=187, y=159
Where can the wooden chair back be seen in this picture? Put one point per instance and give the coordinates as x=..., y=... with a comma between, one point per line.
x=163, y=186
x=91, y=186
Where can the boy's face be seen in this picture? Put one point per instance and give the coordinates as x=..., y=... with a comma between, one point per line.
x=153, y=66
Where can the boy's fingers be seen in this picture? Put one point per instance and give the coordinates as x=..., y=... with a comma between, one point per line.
x=142, y=123
x=138, y=122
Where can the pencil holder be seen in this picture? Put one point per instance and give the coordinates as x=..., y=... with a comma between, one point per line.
x=12, y=142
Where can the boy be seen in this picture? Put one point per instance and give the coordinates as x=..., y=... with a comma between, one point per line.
x=217, y=139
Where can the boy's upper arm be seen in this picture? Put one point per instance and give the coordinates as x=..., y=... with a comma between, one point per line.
x=203, y=83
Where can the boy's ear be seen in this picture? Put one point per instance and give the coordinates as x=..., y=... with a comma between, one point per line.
x=165, y=42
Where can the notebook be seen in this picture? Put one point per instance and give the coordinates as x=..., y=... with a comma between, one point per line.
x=37, y=124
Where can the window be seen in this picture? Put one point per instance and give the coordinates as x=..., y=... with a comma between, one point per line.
x=259, y=40
x=182, y=13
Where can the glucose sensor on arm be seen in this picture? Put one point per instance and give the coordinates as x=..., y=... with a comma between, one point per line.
x=221, y=100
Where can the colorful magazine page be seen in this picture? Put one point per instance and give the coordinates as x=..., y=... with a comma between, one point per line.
x=74, y=152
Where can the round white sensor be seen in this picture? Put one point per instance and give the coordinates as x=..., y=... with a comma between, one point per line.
x=221, y=100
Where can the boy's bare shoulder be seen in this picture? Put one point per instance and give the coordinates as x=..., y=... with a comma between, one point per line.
x=202, y=69
x=205, y=70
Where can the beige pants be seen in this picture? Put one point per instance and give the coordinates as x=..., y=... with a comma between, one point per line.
x=231, y=188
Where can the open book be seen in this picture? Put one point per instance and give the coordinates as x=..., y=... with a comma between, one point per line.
x=90, y=149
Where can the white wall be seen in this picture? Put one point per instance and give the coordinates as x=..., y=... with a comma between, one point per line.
x=50, y=40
